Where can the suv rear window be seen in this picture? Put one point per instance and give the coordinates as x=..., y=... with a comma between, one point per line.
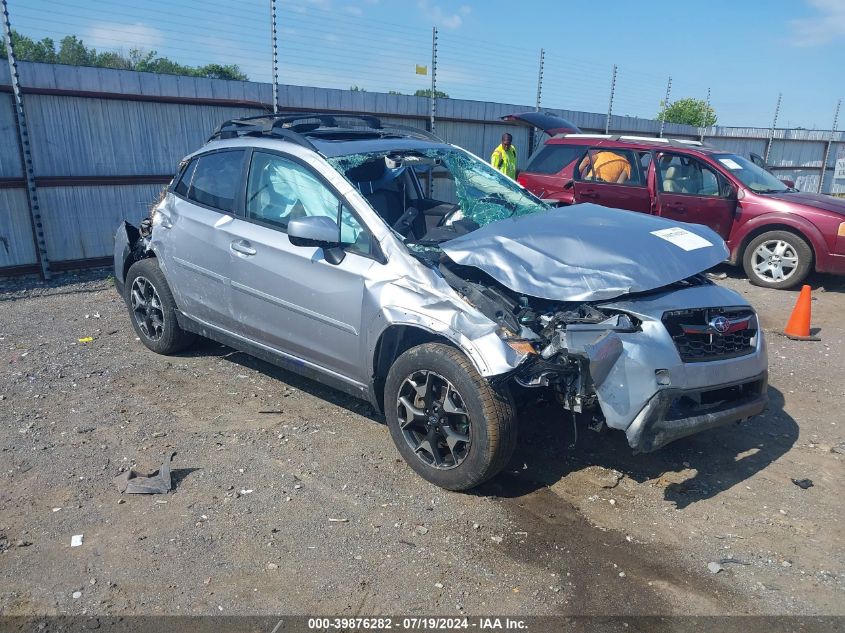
x=551, y=159
x=217, y=179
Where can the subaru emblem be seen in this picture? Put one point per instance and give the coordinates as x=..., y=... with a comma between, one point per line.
x=720, y=324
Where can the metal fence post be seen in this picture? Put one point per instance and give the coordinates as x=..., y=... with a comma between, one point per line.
x=275, y=57
x=704, y=116
x=26, y=155
x=610, y=102
x=540, y=80
x=772, y=130
x=829, y=145
x=433, y=96
x=665, y=105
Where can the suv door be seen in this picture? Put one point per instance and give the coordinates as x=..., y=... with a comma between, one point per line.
x=550, y=169
x=613, y=178
x=193, y=243
x=289, y=297
x=689, y=190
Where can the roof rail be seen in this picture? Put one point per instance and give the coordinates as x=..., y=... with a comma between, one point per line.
x=415, y=131
x=294, y=126
x=673, y=142
x=328, y=119
x=266, y=125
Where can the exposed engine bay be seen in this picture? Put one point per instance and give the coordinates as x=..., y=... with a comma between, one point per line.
x=570, y=347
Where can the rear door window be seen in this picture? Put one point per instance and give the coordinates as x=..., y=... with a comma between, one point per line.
x=554, y=157
x=217, y=179
x=645, y=161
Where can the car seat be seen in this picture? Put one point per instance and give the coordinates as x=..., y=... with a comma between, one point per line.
x=676, y=179
x=381, y=190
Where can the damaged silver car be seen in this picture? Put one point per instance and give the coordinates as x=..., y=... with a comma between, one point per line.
x=406, y=271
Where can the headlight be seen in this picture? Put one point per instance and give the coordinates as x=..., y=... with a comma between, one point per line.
x=520, y=346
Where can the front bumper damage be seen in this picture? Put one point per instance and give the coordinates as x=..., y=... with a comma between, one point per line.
x=671, y=414
x=633, y=379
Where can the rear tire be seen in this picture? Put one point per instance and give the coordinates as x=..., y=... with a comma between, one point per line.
x=152, y=309
x=777, y=259
x=451, y=425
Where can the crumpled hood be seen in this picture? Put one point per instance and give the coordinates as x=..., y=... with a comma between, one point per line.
x=815, y=200
x=587, y=252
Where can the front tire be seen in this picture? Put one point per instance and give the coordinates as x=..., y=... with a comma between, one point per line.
x=777, y=259
x=152, y=309
x=451, y=425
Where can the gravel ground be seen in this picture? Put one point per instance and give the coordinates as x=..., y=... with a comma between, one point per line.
x=290, y=498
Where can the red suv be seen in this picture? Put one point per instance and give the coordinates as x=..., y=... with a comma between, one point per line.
x=778, y=233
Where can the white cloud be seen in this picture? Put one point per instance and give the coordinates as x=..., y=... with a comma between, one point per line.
x=356, y=11
x=820, y=29
x=439, y=17
x=115, y=35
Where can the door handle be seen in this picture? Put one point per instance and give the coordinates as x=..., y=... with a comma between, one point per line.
x=243, y=247
x=589, y=194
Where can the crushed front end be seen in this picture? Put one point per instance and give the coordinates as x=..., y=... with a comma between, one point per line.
x=659, y=365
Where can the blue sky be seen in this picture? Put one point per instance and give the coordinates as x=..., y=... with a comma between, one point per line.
x=745, y=52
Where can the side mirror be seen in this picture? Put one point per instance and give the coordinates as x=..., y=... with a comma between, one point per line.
x=314, y=230
x=319, y=231
x=568, y=184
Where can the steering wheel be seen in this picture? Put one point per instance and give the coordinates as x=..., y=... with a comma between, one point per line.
x=448, y=215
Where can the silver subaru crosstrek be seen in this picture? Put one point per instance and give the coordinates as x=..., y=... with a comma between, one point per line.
x=406, y=271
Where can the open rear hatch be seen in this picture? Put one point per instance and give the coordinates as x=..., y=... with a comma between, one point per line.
x=546, y=122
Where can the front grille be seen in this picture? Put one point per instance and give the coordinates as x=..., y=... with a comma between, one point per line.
x=705, y=334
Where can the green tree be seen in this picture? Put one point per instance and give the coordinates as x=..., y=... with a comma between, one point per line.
x=27, y=48
x=73, y=51
x=426, y=92
x=688, y=111
x=357, y=88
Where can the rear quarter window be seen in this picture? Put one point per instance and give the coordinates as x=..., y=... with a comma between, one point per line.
x=217, y=179
x=185, y=181
x=553, y=158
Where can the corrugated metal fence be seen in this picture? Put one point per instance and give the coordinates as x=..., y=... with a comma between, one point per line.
x=105, y=141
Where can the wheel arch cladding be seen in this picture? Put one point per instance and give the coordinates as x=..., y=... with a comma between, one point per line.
x=394, y=341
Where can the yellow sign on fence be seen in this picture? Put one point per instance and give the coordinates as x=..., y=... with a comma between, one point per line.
x=422, y=70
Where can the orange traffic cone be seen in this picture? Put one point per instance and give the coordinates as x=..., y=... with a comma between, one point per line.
x=798, y=326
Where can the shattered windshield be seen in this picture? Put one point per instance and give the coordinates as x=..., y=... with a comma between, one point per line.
x=432, y=195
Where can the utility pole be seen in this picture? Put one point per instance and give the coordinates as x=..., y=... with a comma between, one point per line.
x=610, y=102
x=772, y=130
x=665, y=106
x=540, y=80
x=26, y=154
x=433, y=99
x=275, y=58
x=704, y=116
x=829, y=145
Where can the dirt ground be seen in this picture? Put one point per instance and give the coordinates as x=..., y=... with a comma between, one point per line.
x=290, y=498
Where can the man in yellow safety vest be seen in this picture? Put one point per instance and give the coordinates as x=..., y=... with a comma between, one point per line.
x=504, y=157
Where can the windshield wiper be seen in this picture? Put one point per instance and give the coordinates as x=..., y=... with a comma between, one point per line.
x=773, y=190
